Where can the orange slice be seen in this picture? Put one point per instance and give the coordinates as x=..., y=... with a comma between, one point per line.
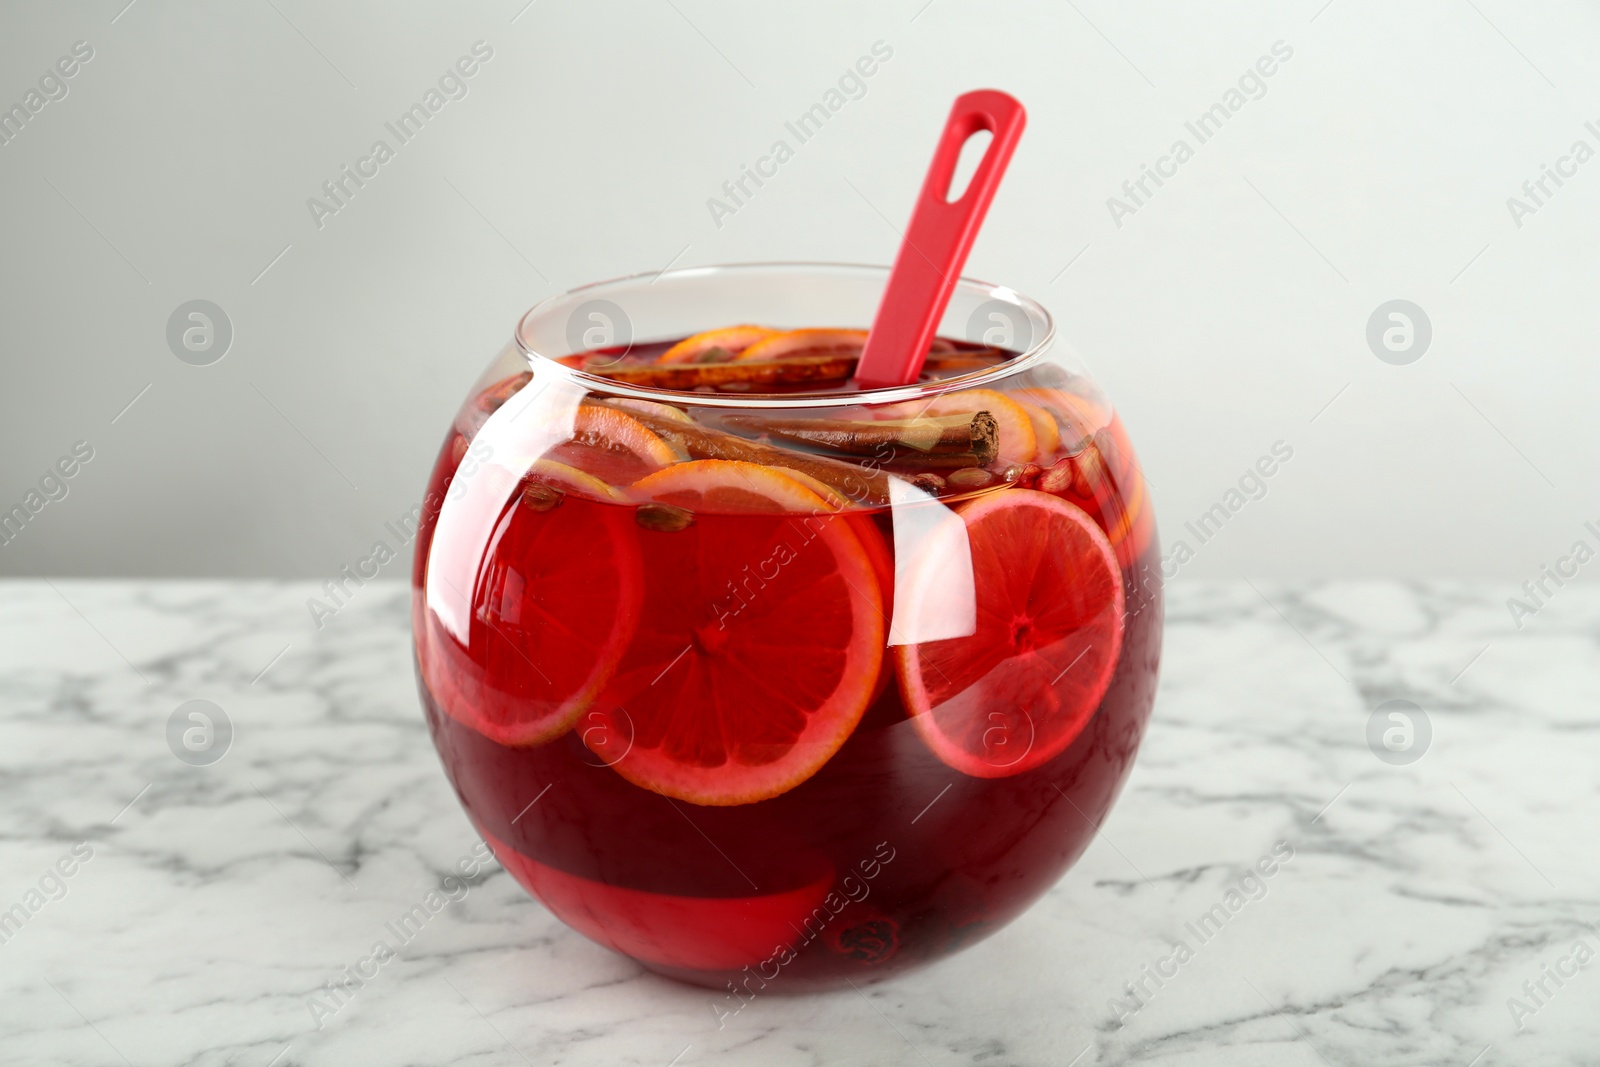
x=1045, y=429
x=724, y=486
x=572, y=480
x=830, y=496
x=1115, y=444
x=1019, y=441
x=1135, y=524
x=807, y=343
x=877, y=549
x=1016, y=692
x=760, y=639
x=1144, y=531
x=551, y=609
x=730, y=339
x=1104, y=479
x=612, y=446
x=873, y=543
x=1121, y=516
x=650, y=407
x=1080, y=415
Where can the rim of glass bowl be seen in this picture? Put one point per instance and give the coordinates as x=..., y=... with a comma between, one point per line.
x=887, y=395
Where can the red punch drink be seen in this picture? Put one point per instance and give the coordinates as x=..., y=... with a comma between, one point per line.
x=770, y=684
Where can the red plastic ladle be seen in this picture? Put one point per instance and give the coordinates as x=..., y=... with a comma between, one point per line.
x=938, y=239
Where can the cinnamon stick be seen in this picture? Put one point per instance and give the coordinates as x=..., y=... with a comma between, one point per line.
x=976, y=435
x=864, y=485
x=791, y=370
x=904, y=461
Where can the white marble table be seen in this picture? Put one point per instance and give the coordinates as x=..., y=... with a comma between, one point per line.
x=217, y=900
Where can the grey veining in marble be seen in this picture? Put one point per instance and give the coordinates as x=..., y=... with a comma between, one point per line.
x=1422, y=913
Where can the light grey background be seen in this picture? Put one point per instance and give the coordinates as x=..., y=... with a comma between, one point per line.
x=1228, y=313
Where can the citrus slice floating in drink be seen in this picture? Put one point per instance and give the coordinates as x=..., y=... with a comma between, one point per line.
x=1080, y=415
x=1141, y=528
x=1046, y=431
x=715, y=346
x=1135, y=525
x=724, y=486
x=650, y=407
x=1016, y=692
x=613, y=446
x=565, y=479
x=549, y=618
x=872, y=542
x=877, y=549
x=793, y=343
x=759, y=642
x=834, y=499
